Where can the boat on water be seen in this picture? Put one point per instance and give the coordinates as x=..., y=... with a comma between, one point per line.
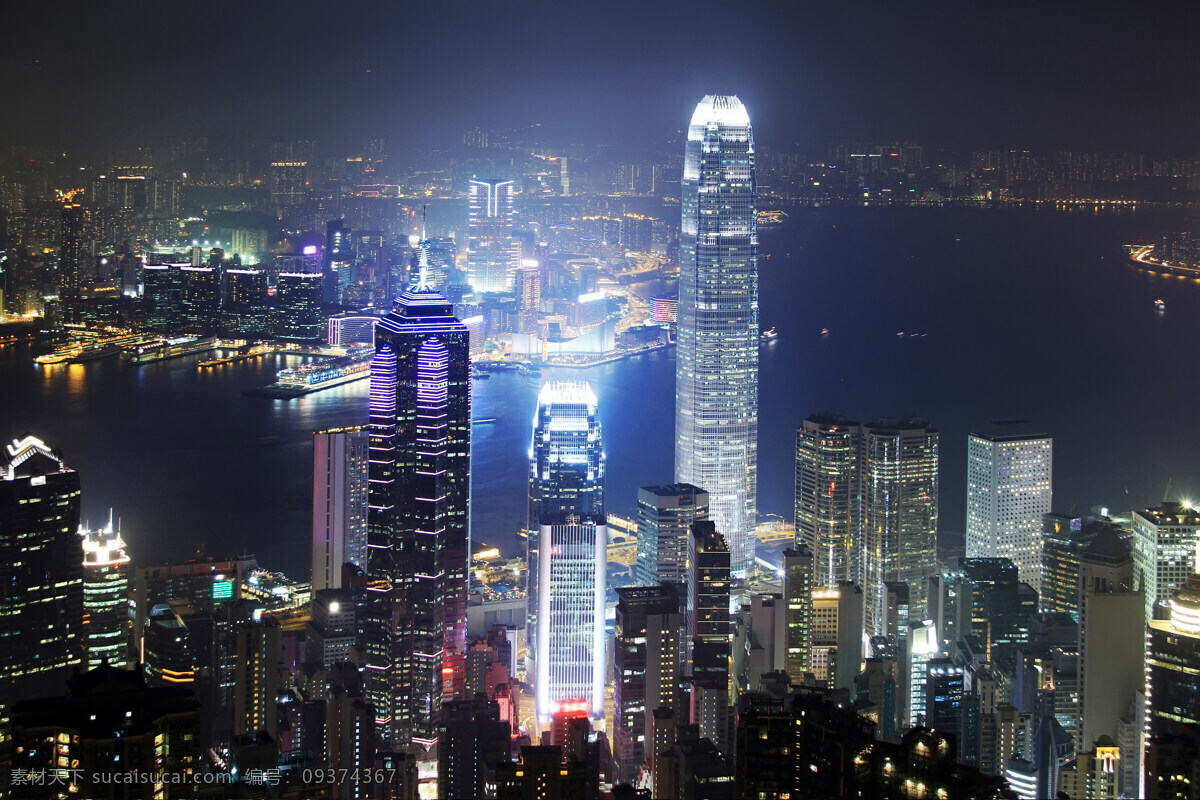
x=1160, y=304
x=772, y=217
x=824, y=331
x=770, y=335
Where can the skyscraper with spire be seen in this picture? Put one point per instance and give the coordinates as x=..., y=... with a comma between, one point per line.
x=716, y=368
x=418, y=520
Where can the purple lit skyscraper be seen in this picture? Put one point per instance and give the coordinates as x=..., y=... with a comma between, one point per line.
x=418, y=523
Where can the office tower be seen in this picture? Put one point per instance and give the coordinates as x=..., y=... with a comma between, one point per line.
x=492, y=252
x=646, y=675
x=566, y=476
x=1172, y=663
x=199, y=298
x=105, y=597
x=244, y=308
x=259, y=645
x=350, y=737
x=1064, y=540
x=708, y=590
x=472, y=742
x=340, y=461
x=993, y=611
x=417, y=523
x=716, y=368
x=827, y=496
x=1111, y=633
x=41, y=606
x=297, y=308
x=289, y=173
x=337, y=261
x=1009, y=489
x=665, y=517
x=1164, y=548
x=529, y=287
x=331, y=632
x=347, y=330
x=798, y=602
x=944, y=695
x=160, y=296
x=899, y=514
x=157, y=738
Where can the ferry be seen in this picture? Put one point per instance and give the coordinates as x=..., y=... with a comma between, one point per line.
x=770, y=335
x=772, y=217
x=1160, y=304
x=163, y=349
x=824, y=331
x=328, y=372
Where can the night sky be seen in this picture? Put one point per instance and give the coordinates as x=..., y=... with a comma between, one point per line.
x=100, y=75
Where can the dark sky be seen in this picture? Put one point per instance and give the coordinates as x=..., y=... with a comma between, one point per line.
x=97, y=74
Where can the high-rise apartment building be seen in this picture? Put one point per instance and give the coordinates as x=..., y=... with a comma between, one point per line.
x=418, y=516
x=665, y=517
x=566, y=596
x=289, y=173
x=899, y=510
x=340, y=468
x=716, y=368
x=1009, y=489
x=1164, y=552
x=493, y=254
x=41, y=605
x=827, y=496
x=646, y=670
x=106, y=625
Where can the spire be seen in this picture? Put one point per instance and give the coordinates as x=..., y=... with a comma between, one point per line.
x=423, y=264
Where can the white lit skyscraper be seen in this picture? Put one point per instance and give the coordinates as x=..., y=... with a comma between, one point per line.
x=1009, y=473
x=106, y=624
x=568, y=553
x=492, y=253
x=716, y=372
x=340, y=458
x=827, y=496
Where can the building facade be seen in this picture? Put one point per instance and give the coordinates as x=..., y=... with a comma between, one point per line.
x=493, y=254
x=716, y=368
x=827, y=496
x=899, y=514
x=1164, y=552
x=665, y=517
x=418, y=517
x=106, y=625
x=1009, y=490
x=340, y=503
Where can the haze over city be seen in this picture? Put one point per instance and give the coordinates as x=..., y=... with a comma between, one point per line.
x=672, y=401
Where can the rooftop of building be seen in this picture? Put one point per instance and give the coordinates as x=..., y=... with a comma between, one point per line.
x=1171, y=512
x=30, y=457
x=1009, y=430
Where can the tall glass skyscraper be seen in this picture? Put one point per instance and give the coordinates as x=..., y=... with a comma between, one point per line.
x=899, y=515
x=105, y=596
x=716, y=368
x=567, y=554
x=340, y=459
x=41, y=573
x=1009, y=489
x=417, y=520
x=827, y=496
x=492, y=255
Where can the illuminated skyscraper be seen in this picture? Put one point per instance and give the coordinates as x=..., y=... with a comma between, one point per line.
x=289, y=173
x=665, y=517
x=716, y=383
x=297, y=307
x=41, y=602
x=493, y=254
x=340, y=458
x=1009, y=473
x=199, y=298
x=899, y=515
x=417, y=523
x=1164, y=552
x=567, y=555
x=106, y=624
x=827, y=496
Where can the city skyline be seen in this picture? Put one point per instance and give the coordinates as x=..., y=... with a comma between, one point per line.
x=685, y=577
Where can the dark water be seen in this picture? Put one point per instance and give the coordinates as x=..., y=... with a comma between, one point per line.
x=1026, y=314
